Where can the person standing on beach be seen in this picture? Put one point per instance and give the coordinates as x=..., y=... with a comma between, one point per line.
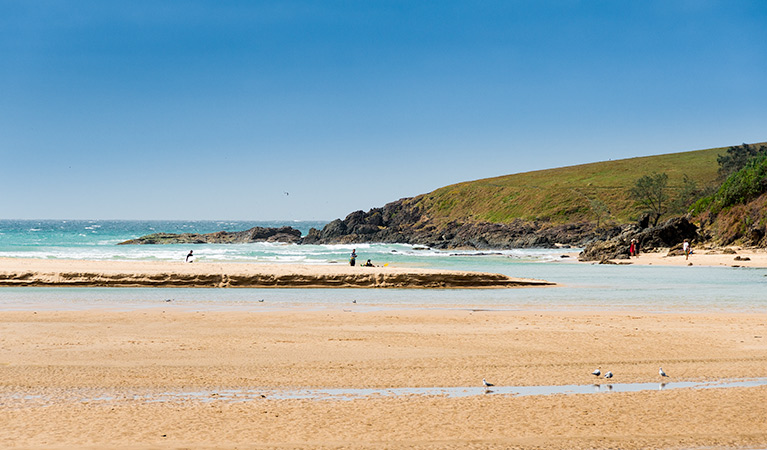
x=353, y=257
x=633, y=248
x=686, y=249
x=190, y=256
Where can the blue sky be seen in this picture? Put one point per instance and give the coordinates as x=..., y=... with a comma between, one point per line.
x=214, y=110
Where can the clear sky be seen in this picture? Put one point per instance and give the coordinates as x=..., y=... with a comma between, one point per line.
x=313, y=109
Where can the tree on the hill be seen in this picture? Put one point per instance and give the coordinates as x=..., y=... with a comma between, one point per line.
x=650, y=190
x=599, y=209
x=737, y=157
x=687, y=195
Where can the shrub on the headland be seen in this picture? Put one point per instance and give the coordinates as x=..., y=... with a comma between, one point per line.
x=742, y=186
x=737, y=157
x=736, y=211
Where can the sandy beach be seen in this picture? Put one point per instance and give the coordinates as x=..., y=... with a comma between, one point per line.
x=61, y=272
x=734, y=257
x=97, y=379
x=189, y=376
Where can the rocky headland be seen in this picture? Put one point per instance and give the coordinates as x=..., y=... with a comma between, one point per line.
x=402, y=222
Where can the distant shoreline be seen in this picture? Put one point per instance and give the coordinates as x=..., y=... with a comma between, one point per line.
x=46, y=272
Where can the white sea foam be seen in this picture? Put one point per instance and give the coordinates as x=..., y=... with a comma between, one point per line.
x=106, y=249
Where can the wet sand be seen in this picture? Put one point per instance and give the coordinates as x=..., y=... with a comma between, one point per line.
x=46, y=272
x=64, y=355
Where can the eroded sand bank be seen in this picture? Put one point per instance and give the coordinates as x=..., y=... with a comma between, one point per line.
x=50, y=354
x=44, y=272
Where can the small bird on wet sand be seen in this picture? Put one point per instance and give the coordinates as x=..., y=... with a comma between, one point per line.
x=609, y=374
x=484, y=381
x=661, y=372
x=597, y=372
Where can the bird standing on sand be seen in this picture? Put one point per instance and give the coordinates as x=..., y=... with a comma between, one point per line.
x=597, y=372
x=661, y=372
x=609, y=374
x=484, y=381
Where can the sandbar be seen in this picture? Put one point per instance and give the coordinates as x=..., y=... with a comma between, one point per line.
x=62, y=272
x=129, y=356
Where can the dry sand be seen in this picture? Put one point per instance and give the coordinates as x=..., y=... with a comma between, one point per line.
x=699, y=257
x=58, y=355
x=706, y=257
x=60, y=272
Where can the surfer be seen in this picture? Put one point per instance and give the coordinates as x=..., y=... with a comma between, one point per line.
x=190, y=256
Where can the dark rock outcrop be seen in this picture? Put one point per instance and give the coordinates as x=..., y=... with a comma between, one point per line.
x=666, y=235
x=255, y=234
x=403, y=222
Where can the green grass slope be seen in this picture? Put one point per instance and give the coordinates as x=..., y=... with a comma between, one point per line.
x=566, y=194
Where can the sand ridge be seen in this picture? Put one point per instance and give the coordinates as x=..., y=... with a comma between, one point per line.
x=61, y=272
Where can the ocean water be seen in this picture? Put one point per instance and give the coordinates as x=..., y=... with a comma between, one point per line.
x=581, y=286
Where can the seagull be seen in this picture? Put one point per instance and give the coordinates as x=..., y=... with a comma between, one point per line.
x=484, y=381
x=597, y=372
x=661, y=372
x=609, y=374
x=261, y=301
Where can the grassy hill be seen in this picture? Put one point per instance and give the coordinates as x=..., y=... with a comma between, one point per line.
x=565, y=194
x=565, y=205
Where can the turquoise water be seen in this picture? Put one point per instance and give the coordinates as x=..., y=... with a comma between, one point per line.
x=582, y=286
x=97, y=239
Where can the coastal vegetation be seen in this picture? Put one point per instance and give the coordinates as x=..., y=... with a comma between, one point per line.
x=737, y=157
x=737, y=210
